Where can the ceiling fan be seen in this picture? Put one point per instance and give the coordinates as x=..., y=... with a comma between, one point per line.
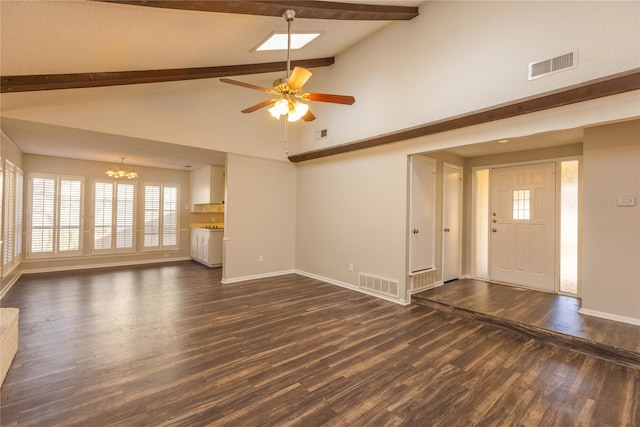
x=289, y=89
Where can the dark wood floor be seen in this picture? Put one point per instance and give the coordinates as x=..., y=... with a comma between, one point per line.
x=543, y=315
x=170, y=345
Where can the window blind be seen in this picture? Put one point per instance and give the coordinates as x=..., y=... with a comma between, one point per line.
x=102, y=215
x=151, y=216
x=69, y=211
x=55, y=215
x=170, y=217
x=9, y=212
x=125, y=216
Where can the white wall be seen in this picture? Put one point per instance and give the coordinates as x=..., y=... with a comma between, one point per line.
x=611, y=234
x=260, y=218
x=458, y=57
x=351, y=210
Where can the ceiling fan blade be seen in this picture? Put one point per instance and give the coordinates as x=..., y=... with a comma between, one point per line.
x=247, y=85
x=326, y=97
x=260, y=105
x=298, y=77
x=308, y=117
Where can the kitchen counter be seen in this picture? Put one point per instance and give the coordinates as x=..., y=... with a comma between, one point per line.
x=206, y=244
x=213, y=226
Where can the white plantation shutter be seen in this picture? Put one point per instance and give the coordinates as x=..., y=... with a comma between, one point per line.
x=125, y=216
x=42, y=214
x=17, y=252
x=55, y=215
x=113, y=216
x=102, y=215
x=9, y=212
x=151, y=216
x=170, y=217
x=69, y=211
x=161, y=217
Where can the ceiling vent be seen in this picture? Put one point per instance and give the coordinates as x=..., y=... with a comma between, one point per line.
x=553, y=65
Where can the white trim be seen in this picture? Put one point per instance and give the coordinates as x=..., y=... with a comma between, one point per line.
x=610, y=316
x=352, y=287
x=10, y=284
x=226, y=281
x=105, y=265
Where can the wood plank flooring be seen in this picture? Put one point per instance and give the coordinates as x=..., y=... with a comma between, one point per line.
x=550, y=317
x=169, y=345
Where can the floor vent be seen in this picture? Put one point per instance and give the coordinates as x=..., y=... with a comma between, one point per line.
x=423, y=280
x=379, y=285
x=553, y=65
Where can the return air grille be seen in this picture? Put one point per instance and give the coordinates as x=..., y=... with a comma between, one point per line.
x=553, y=65
x=379, y=285
x=423, y=280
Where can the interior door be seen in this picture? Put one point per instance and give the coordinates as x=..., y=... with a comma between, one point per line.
x=422, y=213
x=523, y=225
x=451, y=222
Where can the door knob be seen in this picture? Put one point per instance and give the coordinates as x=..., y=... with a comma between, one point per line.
x=446, y=230
x=494, y=229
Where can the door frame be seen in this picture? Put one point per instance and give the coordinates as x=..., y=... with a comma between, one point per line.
x=460, y=197
x=474, y=243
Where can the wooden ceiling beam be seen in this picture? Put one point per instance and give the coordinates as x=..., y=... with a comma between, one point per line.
x=29, y=83
x=304, y=9
x=606, y=86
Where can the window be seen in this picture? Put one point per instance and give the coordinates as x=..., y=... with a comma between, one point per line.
x=113, y=216
x=569, y=199
x=9, y=215
x=55, y=217
x=160, y=217
x=482, y=223
x=12, y=227
x=521, y=204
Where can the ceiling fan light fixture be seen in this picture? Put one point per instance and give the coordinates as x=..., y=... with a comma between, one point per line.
x=280, y=108
x=299, y=109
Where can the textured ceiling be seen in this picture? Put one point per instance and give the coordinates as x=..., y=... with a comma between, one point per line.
x=60, y=36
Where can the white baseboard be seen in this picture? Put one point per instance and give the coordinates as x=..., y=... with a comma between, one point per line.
x=102, y=265
x=227, y=281
x=10, y=284
x=610, y=316
x=352, y=287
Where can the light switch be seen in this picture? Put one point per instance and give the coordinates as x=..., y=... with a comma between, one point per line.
x=626, y=201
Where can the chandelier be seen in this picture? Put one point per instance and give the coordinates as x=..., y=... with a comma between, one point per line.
x=122, y=171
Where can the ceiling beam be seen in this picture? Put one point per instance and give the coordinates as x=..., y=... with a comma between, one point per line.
x=13, y=84
x=304, y=9
x=607, y=86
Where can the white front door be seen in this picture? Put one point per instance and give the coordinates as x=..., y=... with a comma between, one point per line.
x=522, y=225
x=422, y=211
x=451, y=221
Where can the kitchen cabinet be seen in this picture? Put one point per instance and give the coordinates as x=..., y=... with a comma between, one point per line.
x=206, y=246
x=207, y=185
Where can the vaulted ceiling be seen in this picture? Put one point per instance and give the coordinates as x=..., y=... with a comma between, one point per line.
x=61, y=44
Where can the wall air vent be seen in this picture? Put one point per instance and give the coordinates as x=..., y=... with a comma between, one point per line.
x=553, y=65
x=379, y=284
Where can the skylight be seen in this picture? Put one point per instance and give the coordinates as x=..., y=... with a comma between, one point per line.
x=278, y=41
